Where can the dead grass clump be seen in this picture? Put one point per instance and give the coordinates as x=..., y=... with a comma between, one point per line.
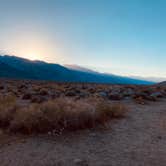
x=7, y=109
x=53, y=115
x=64, y=114
x=106, y=110
x=140, y=100
x=27, y=120
x=7, y=100
x=78, y=114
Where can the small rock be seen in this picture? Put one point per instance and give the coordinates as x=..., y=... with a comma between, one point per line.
x=80, y=162
x=54, y=95
x=43, y=92
x=26, y=96
x=128, y=92
x=22, y=86
x=70, y=93
x=84, y=94
x=49, y=133
x=93, y=134
x=92, y=90
x=115, y=96
x=38, y=99
x=102, y=94
x=156, y=94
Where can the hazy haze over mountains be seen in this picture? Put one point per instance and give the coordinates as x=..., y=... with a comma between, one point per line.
x=80, y=68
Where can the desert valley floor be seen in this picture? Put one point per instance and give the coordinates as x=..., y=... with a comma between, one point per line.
x=137, y=140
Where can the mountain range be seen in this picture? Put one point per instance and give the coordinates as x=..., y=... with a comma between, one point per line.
x=20, y=68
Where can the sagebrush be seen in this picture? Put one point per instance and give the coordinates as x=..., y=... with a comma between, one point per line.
x=57, y=114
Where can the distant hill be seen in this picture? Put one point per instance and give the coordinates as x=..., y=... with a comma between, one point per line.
x=80, y=68
x=20, y=68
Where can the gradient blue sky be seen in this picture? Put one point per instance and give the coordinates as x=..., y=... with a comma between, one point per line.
x=126, y=37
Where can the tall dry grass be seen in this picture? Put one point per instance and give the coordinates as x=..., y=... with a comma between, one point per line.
x=62, y=113
x=7, y=109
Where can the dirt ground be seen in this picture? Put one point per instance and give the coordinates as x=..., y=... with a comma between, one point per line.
x=139, y=139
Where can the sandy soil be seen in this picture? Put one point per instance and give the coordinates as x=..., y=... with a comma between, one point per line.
x=137, y=140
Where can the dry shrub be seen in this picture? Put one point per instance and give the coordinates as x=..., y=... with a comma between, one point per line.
x=7, y=100
x=140, y=100
x=7, y=109
x=118, y=110
x=106, y=110
x=78, y=114
x=57, y=114
x=25, y=119
x=64, y=113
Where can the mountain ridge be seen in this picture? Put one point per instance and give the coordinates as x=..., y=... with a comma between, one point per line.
x=21, y=68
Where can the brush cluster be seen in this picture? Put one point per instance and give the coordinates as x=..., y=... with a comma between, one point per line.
x=42, y=91
x=58, y=114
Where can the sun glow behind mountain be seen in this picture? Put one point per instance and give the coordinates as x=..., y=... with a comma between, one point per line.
x=32, y=45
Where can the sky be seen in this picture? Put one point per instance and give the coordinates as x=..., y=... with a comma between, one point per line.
x=126, y=37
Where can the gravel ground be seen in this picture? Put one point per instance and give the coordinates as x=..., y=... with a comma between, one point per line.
x=137, y=140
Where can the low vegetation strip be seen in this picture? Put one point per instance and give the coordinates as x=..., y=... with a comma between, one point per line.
x=58, y=114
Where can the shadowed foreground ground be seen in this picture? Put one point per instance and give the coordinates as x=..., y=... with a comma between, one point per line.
x=137, y=140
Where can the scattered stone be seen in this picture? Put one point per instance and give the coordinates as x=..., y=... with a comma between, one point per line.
x=93, y=134
x=22, y=87
x=84, y=94
x=80, y=162
x=49, y=133
x=92, y=90
x=38, y=99
x=70, y=93
x=102, y=94
x=27, y=96
x=55, y=95
x=128, y=92
x=43, y=92
x=156, y=94
x=115, y=96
